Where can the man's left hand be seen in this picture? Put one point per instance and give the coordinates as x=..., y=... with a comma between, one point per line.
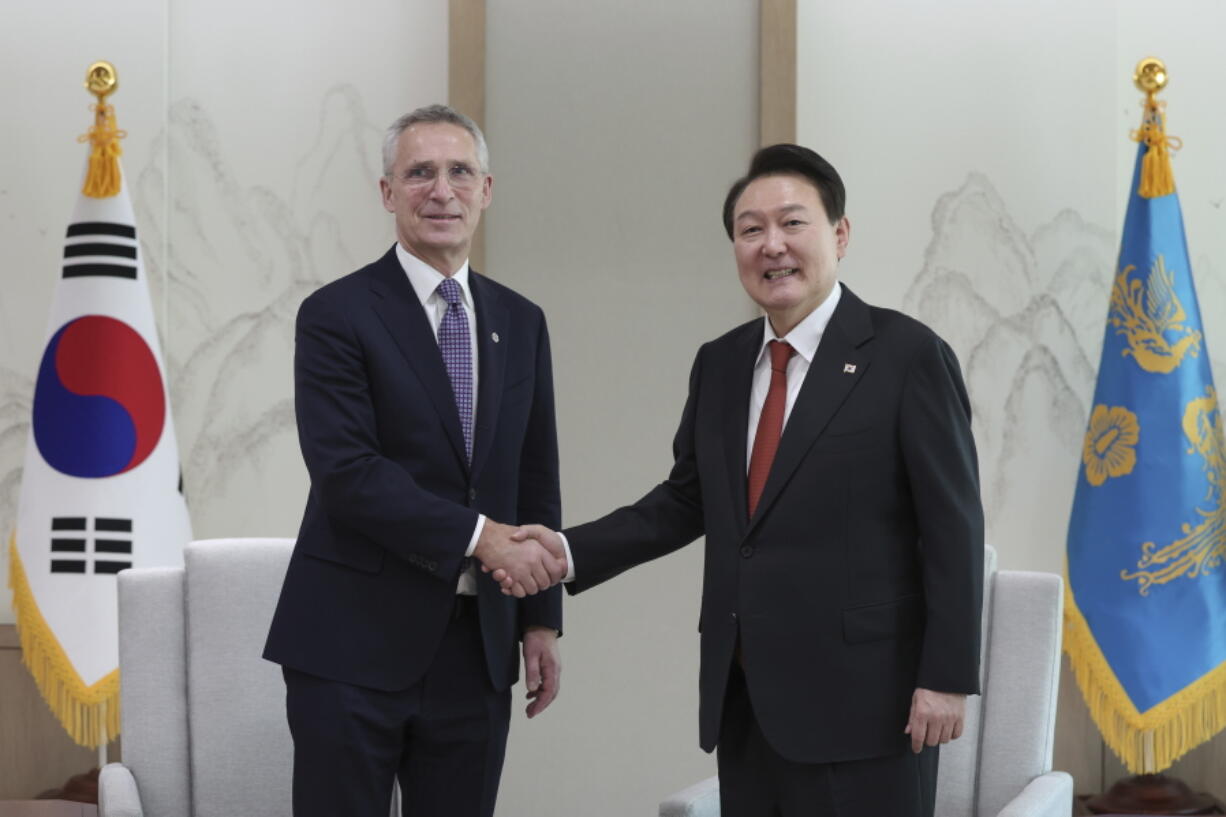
x=936, y=717
x=542, y=668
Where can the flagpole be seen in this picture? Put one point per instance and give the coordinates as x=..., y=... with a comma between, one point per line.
x=101, y=80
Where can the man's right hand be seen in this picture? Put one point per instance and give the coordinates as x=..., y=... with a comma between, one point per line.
x=549, y=540
x=528, y=566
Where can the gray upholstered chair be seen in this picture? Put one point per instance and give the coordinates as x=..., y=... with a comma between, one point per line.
x=1001, y=767
x=204, y=731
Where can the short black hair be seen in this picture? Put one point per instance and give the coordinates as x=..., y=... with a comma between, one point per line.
x=791, y=160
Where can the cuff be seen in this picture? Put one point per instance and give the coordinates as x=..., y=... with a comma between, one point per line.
x=472, y=544
x=570, y=560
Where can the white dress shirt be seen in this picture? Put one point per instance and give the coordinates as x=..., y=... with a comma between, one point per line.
x=425, y=280
x=804, y=338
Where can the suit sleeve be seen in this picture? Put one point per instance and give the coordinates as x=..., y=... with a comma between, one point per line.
x=357, y=486
x=668, y=518
x=540, y=499
x=942, y=469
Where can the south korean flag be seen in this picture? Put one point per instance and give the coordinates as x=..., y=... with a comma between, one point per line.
x=101, y=490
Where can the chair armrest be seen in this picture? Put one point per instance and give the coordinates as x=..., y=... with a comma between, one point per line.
x=1048, y=795
x=699, y=800
x=117, y=794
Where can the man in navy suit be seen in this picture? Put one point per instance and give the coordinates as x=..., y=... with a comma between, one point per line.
x=425, y=409
x=826, y=453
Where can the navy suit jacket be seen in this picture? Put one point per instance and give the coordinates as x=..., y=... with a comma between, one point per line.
x=393, y=501
x=860, y=575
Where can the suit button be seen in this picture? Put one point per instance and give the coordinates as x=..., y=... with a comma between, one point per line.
x=472, y=494
x=734, y=616
x=746, y=551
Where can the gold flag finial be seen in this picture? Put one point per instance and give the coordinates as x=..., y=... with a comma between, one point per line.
x=101, y=80
x=1157, y=179
x=1150, y=75
x=102, y=180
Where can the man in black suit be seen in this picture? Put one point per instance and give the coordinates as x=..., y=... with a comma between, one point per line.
x=826, y=454
x=425, y=409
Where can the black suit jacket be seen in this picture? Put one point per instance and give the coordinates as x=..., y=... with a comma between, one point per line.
x=393, y=502
x=859, y=577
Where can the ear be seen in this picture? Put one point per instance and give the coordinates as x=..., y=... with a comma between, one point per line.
x=487, y=191
x=385, y=190
x=842, y=235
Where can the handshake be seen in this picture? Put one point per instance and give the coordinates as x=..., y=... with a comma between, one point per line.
x=523, y=560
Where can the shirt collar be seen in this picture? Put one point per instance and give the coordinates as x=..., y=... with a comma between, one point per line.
x=805, y=335
x=425, y=278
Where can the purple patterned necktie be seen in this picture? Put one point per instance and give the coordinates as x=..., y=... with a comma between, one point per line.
x=454, y=343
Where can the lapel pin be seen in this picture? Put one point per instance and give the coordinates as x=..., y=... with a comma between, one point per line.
x=849, y=368
x=494, y=336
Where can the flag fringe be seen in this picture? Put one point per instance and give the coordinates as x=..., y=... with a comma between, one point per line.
x=90, y=714
x=103, y=178
x=1152, y=741
x=1157, y=178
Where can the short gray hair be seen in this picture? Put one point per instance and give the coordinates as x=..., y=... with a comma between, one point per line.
x=430, y=114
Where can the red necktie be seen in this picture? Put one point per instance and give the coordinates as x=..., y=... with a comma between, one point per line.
x=770, y=424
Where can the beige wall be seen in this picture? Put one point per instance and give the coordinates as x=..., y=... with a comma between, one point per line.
x=613, y=135
x=985, y=149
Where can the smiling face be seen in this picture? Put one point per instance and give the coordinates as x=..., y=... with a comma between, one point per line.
x=437, y=191
x=787, y=251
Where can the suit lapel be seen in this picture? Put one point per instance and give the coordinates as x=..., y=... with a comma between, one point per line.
x=737, y=386
x=492, y=335
x=401, y=313
x=839, y=364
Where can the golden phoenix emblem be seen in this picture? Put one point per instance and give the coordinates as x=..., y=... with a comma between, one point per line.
x=1201, y=548
x=1151, y=318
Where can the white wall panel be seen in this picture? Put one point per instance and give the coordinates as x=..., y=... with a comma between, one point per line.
x=252, y=157
x=986, y=153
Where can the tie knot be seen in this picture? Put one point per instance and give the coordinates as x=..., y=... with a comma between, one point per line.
x=450, y=290
x=780, y=354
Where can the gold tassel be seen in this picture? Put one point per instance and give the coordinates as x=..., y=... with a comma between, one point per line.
x=1151, y=741
x=90, y=714
x=1157, y=179
x=104, y=177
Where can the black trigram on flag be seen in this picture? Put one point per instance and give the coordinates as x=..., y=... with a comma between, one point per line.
x=100, y=248
x=74, y=547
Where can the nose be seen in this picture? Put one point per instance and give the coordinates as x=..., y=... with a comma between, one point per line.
x=441, y=190
x=773, y=244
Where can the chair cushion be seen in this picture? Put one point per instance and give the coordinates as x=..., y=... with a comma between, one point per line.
x=153, y=686
x=1022, y=675
x=242, y=756
x=958, y=770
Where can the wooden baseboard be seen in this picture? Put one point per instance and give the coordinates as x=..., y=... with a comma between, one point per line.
x=46, y=808
x=36, y=753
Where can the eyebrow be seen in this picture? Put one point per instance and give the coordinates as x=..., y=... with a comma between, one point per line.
x=447, y=162
x=788, y=208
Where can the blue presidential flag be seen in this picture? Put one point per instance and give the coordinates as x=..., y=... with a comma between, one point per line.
x=1145, y=621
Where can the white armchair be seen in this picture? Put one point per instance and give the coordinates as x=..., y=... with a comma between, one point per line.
x=1001, y=766
x=204, y=729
